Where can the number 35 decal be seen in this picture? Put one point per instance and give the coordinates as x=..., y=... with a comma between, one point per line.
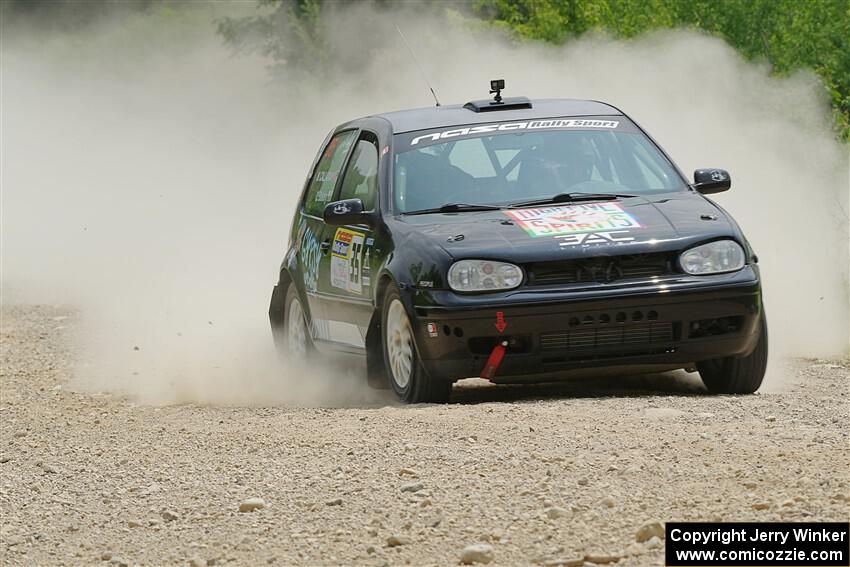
x=347, y=261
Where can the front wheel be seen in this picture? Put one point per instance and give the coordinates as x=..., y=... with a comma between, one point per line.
x=737, y=375
x=406, y=375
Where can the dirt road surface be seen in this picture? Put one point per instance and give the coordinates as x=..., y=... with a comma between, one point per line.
x=549, y=475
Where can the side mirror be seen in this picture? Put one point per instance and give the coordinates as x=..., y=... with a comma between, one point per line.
x=347, y=211
x=708, y=181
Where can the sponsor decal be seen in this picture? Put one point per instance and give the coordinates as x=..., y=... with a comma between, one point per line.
x=573, y=219
x=588, y=238
x=432, y=330
x=310, y=255
x=347, y=260
x=513, y=126
x=342, y=208
x=717, y=175
x=366, y=269
x=322, y=176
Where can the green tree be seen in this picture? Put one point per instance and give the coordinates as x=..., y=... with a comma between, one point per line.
x=788, y=34
x=289, y=33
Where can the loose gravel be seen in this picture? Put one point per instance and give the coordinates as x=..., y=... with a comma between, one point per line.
x=565, y=474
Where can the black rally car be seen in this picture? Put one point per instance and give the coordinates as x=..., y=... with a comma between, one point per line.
x=516, y=240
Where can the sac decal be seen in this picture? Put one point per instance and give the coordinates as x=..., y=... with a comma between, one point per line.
x=573, y=219
x=588, y=238
x=347, y=260
x=506, y=127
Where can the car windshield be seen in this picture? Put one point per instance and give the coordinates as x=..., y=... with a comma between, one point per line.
x=515, y=165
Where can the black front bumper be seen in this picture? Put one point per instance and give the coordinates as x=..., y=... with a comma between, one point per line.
x=656, y=326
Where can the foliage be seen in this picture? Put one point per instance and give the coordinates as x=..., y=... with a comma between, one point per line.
x=289, y=33
x=789, y=34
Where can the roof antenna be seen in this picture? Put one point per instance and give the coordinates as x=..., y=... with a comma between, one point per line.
x=398, y=29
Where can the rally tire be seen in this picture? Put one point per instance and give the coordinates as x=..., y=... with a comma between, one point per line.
x=295, y=343
x=403, y=369
x=742, y=375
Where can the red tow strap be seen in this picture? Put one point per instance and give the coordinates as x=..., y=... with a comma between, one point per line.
x=494, y=361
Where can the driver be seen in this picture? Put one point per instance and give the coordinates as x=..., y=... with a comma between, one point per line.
x=560, y=161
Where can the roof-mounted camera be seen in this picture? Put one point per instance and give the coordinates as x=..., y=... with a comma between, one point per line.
x=496, y=86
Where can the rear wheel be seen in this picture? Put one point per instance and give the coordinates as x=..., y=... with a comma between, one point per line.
x=297, y=343
x=405, y=373
x=737, y=375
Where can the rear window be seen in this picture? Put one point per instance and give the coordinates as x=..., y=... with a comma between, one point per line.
x=499, y=164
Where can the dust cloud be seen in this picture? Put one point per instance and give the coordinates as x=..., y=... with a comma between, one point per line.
x=149, y=177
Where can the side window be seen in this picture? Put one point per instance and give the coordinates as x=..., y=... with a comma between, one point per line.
x=322, y=185
x=361, y=176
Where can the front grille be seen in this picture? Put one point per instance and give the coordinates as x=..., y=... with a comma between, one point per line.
x=601, y=269
x=608, y=338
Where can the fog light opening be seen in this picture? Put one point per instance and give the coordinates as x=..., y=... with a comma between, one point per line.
x=714, y=327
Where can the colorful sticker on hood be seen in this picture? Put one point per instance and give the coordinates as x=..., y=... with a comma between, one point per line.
x=572, y=219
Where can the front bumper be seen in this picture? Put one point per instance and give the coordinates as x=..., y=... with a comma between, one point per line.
x=652, y=327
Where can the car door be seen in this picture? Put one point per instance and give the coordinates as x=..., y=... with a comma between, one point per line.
x=348, y=253
x=312, y=264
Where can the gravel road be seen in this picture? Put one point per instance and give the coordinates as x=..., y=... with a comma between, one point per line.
x=550, y=475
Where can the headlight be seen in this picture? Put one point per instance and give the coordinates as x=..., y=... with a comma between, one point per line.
x=713, y=258
x=483, y=275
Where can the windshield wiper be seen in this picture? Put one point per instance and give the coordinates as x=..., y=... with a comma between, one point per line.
x=455, y=208
x=571, y=198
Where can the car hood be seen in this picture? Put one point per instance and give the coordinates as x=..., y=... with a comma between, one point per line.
x=636, y=225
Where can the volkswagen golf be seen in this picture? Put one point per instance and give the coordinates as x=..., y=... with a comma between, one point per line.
x=516, y=240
